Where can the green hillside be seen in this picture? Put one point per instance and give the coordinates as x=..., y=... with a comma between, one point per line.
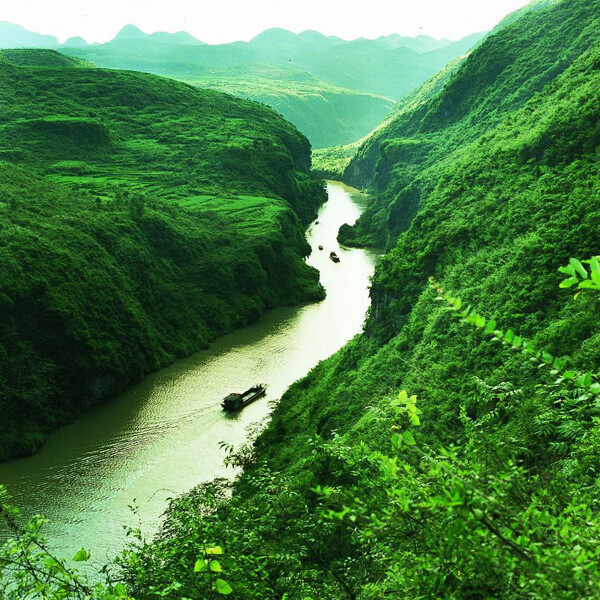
x=483, y=485
x=43, y=58
x=325, y=113
x=139, y=219
x=332, y=162
x=334, y=91
x=500, y=79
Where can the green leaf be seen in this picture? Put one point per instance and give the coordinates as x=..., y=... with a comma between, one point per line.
x=213, y=550
x=409, y=438
x=200, y=566
x=579, y=268
x=222, y=587
x=215, y=566
x=547, y=358
x=595, y=265
x=595, y=388
x=568, y=270
x=403, y=396
x=491, y=326
x=81, y=555
x=508, y=336
x=584, y=380
x=560, y=363
x=567, y=283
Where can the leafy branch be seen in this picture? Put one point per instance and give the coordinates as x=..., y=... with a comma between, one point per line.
x=557, y=365
x=585, y=278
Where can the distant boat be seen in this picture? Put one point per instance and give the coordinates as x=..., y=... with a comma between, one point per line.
x=334, y=257
x=236, y=401
x=320, y=247
x=316, y=222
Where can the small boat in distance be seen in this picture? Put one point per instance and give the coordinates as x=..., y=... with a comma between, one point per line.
x=334, y=257
x=320, y=247
x=236, y=401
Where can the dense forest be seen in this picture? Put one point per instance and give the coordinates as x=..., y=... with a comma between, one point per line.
x=139, y=219
x=451, y=450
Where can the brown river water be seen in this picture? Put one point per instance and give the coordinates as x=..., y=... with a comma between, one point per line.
x=162, y=436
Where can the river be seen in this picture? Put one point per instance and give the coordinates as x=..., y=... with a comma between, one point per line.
x=162, y=436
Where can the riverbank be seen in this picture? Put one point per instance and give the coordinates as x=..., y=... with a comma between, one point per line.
x=161, y=437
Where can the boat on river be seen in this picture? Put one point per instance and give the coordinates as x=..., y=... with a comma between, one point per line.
x=334, y=257
x=235, y=401
x=320, y=247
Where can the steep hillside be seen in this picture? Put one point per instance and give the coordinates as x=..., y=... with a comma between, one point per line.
x=485, y=486
x=332, y=162
x=504, y=72
x=325, y=113
x=139, y=219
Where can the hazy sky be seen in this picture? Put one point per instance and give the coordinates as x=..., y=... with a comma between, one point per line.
x=218, y=21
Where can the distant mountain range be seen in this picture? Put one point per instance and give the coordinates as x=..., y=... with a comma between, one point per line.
x=16, y=36
x=335, y=91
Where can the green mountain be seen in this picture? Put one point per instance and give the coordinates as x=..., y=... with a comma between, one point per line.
x=337, y=90
x=139, y=219
x=74, y=42
x=15, y=36
x=43, y=58
x=396, y=160
x=325, y=113
x=484, y=484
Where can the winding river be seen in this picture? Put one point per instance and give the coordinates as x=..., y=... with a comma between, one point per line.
x=161, y=437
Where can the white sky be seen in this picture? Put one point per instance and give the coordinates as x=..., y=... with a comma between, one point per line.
x=219, y=21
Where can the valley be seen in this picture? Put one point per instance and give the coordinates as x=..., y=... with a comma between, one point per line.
x=431, y=428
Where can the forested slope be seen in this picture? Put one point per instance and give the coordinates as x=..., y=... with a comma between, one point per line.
x=400, y=163
x=139, y=219
x=489, y=486
x=327, y=114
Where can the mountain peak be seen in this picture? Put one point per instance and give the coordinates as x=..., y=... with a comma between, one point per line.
x=130, y=32
x=75, y=42
x=275, y=34
x=182, y=38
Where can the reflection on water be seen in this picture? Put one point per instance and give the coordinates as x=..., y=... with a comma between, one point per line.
x=161, y=437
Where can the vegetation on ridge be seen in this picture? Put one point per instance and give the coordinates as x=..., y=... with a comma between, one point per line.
x=403, y=161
